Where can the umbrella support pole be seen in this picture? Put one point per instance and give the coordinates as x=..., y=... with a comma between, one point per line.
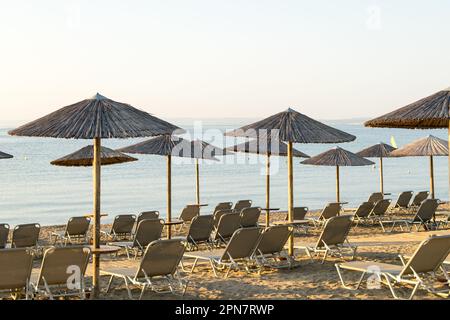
x=290, y=197
x=268, y=190
x=96, y=225
x=338, y=195
x=169, y=195
x=381, y=176
x=197, y=181
x=432, y=177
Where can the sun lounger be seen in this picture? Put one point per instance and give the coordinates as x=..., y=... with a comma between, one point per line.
x=147, y=215
x=300, y=223
x=375, y=197
x=238, y=254
x=76, y=231
x=200, y=232
x=378, y=215
x=242, y=204
x=122, y=227
x=331, y=210
x=223, y=206
x=158, y=264
x=422, y=218
x=147, y=232
x=250, y=217
x=15, y=272
x=26, y=236
x=362, y=213
x=419, y=271
x=418, y=199
x=403, y=200
x=62, y=272
x=228, y=224
x=4, y=233
x=270, y=250
x=333, y=239
x=218, y=215
x=188, y=213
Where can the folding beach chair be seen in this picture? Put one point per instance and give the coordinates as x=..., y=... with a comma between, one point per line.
x=223, y=206
x=15, y=272
x=189, y=212
x=62, y=272
x=270, y=250
x=333, y=239
x=300, y=221
x=418, y=199
x=403, y=200
x=147, y=232
x=200, y=232
x=76, y=231
x=122, y=227
x=4, y=233
x=242, y=204
x=238, y=254
x=228, y=224
x=219, y=214
x=378, y=215
x=423, y=217
x=362, y=213
x=375, y=197
x=157, y=270
x=250, y=217
x=146, y=215
x=27, y=236
x=419, y=271
x=331, y=210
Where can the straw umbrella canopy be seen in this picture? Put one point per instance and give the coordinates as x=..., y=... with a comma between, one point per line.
x=169, y=146
x=380, y=150
x=5, y=155
x=426, y=147
x=267, y=147
x=431, y=112
x=292, y=127
x=85, y=157
x=96, y=118
x=338, y=157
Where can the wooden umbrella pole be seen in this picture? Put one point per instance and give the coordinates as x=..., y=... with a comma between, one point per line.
x=290, y=196
x=96, y=226
x=338, y=196
x=432, y=178
x=268, y=190
x=381, y=176
x=169, y=195
x=197, y=181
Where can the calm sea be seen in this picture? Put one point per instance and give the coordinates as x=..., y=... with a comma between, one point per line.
x=32, y=190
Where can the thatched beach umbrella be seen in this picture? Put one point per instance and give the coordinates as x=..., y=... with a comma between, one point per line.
x=5, y=155
x=380, y=150
x=338, y=157
x=267, y=147
x=168, y=146
x=426, y=147
x=292, y=127
x=428, y=113
x=96, y=118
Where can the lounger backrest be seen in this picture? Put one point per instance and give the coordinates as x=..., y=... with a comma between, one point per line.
x=426, y=210
x=189, y=212
x=219, y=214
x=299, y=213
x=335, y=231
x=381, y=207
x=242, y=204
x=78, y=226
x=4, y=232
x=147, y=215
x=161, y=258
x=15, y=266
x=123, y=224
x=429, y=256
x=59, y=264
x=223, y=206
x=273, y=239
x=404, y=199
x=250, y=217
x=242, y=244
x=375, y=197
x=228, y=224
x=364, y=209
x=200, y=228
x=25, y=235
x=148, y=231
x=419, y=197
x=331, y=210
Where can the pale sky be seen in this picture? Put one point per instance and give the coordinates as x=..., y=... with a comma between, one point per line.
x=230, y=58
